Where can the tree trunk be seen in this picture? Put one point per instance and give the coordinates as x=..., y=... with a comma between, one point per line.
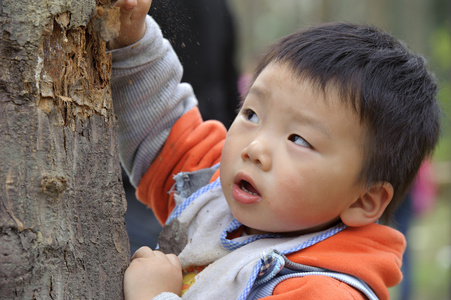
x=62, y=206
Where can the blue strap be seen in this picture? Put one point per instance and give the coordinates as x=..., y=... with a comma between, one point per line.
x=276, y=267
x=268, y=288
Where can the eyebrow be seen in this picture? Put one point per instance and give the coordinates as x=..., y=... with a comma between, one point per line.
x=315, y=124
x=260, y=92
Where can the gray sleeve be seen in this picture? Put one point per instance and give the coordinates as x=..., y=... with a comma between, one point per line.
x=148, y=98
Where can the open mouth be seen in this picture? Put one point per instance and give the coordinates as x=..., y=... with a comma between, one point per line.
x=248, y=188
x=244, y=191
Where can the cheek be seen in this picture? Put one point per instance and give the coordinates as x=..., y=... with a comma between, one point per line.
x=290, y=195
x=291, y=180
x=231, y=150
x=225, y=158
x=227, y=162
x=298, y=194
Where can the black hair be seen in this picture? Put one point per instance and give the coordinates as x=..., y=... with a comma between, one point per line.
x=387, y=85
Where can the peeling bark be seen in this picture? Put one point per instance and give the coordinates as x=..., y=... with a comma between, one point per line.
x=62, y=206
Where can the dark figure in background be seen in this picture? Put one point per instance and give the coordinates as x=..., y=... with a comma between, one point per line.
x=202, y=34
x=403, y=218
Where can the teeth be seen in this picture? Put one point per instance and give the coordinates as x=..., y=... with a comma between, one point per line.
x=247, y=191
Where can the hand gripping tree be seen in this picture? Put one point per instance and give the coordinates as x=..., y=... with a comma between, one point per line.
x=62, y=231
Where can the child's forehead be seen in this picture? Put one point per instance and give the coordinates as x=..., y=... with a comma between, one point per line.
x=329, y=92
x=279, y=80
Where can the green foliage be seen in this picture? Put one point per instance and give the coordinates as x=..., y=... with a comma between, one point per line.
x=443, y=151
x=441, y=63
x=441, y=42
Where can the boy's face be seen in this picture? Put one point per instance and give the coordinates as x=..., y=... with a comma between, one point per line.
x=292, y=158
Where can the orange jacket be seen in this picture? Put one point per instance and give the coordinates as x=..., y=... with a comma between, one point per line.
x=372, y=253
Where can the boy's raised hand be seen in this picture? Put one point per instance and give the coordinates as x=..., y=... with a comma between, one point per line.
x=133, y=26
x=151, y=273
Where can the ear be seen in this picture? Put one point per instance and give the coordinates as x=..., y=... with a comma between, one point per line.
x=369, y=207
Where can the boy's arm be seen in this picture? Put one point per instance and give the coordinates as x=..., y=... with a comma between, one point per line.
x=192, y=145
x=148, y=98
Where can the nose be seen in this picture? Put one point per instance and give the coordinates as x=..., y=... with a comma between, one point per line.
x=258, y=152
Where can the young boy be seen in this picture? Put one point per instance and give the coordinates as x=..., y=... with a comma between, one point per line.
x=329, y=137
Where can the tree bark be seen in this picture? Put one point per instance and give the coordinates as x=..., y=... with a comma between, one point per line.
x=62, y=206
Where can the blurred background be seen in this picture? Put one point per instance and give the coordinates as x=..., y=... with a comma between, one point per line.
x=425, y=25
x=218, y=42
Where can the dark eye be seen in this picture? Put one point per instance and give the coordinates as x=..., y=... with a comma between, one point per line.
x=298, y=140
x=250, y=115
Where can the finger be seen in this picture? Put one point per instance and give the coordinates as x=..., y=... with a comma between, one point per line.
x=158, y=253
x=146, y=4
x=171, y=258
x=174, y=260
x=130, y=4
x=126, y=4
x=142, y=252
x=127, y=8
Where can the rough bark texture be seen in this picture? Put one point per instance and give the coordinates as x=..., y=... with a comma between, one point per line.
x=62, y=206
